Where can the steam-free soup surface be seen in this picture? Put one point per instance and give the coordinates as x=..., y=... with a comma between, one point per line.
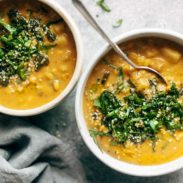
x=47, y=82
x=164, y=143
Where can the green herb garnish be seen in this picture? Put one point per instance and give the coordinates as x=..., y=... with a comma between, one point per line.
x=46, y=48
x=118, y=23
x=94, y=134
x=54, y=22
x=136, y=118
x=103, y=5
x=120, y=82
x=22, y=41
x=105, y=77
x=119, y=69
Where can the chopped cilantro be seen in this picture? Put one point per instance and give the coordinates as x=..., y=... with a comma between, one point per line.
x=94, y=134
x=22, y=41
x=103, y=5
x=136, y=118
x=118, y=23
x=54, y=22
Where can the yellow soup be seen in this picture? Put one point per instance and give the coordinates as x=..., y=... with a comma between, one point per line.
x=162, y=55
x=43, y=85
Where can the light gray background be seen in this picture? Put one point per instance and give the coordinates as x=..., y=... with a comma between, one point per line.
x=166, y=14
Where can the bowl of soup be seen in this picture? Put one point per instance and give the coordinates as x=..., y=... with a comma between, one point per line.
x=40, y=56
x=128, y=118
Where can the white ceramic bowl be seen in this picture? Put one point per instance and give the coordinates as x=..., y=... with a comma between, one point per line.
x=122, y=166
x=76, y=34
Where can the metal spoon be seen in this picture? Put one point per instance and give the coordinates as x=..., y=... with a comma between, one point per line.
x=80, y=6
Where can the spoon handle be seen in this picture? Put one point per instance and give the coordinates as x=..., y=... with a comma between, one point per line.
x=80, y=6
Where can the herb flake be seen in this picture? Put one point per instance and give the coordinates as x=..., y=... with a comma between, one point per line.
x=118, y=23
x=103, y=5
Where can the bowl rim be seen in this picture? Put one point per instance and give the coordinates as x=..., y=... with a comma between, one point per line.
x=118, y=165
x=79, y=62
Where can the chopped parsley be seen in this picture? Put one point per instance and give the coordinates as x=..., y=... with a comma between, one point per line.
x=94, y=134
x=137, y=118
x=120, y=81
x=54, y=22
x=103, y=5
x=118, y=23
x=105, y=77
x=23, y=45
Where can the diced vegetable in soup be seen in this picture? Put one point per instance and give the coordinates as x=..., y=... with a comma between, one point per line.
x=132, y=115
x=37, y=54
